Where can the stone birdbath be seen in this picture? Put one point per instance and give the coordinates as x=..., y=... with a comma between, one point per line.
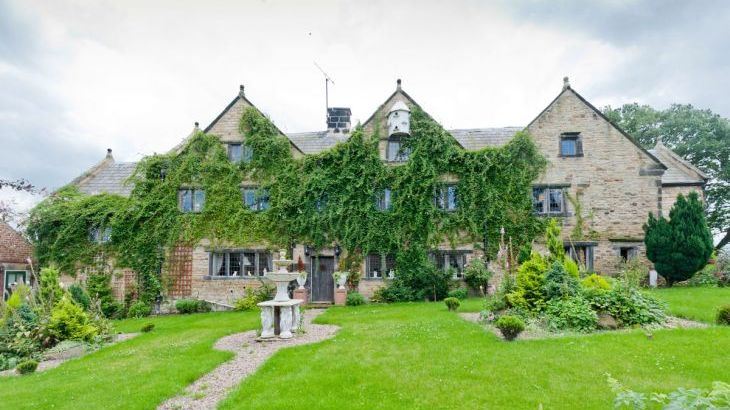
x=280, y=315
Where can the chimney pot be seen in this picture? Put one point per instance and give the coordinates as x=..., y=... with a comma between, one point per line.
x=197, y=124
x=241, y=91
x=398, y=83
x=108, y=150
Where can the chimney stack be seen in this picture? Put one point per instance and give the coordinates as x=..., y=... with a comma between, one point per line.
x=566, y=83
x=338, y=119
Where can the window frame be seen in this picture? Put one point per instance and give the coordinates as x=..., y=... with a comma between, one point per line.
x=6, y=275
x=384, y=200
x=261, y=198
x=385, y=263
x=402, y=154
x=442, y=197
x=574, y=250
x=442, y=259
x=547, y=198
x=577, y=144
x=181, y=192
x=262, y=260
x=100, y=235
x=245, y=152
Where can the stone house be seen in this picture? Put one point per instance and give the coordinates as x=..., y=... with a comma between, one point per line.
x=599, y=182
x=15, y=259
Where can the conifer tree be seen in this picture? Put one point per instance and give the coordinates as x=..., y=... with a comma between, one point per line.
x=682, y=245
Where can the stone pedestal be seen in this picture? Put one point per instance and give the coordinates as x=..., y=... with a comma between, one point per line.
x=340, y=296
x=301, y=294
x=279, y=318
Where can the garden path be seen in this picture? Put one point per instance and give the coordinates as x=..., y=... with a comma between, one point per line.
x=207, y=391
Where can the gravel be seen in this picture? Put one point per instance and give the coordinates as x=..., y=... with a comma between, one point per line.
x=206, y=392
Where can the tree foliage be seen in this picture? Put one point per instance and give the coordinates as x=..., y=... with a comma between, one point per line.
x=699, y=136
x=493, y=191
x=682, y=245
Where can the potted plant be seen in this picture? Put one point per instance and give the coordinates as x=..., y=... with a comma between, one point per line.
x=340, y=278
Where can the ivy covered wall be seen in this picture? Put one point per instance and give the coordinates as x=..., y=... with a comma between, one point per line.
x=493, y=191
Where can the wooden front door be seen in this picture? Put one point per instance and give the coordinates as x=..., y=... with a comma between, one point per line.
x=323, y=285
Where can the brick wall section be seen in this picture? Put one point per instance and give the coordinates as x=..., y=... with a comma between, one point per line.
x=14, y=248
x=610, y=180
x=223, y=290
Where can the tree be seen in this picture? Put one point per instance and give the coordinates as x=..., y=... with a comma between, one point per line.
x=682, y=245
x=699, y=136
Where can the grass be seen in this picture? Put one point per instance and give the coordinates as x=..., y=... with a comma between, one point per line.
x=415, y=355
x=694, y=303
x=136, y=374
x=422, y=356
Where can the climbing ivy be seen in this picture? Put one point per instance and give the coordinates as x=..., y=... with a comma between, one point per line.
x=318, y=199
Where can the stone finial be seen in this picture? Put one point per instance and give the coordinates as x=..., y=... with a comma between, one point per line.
x=108, y=152
x=398, y=83
x=566, y=83
x=241, y=92
x=197, y=125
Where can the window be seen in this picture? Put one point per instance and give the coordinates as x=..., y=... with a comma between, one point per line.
x=581, y=254
x=627, y=253
x=379, y=266
x=384, y=200
x=446, y=197
x=255, y=199
x=100, y=235
x=191, y=200
x=446, y=260
x=236, y=263
x=571, y=145
x=240, y=152
x=548, y=200
x=13, y=278
x=396, y=151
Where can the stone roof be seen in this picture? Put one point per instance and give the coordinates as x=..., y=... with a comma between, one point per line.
x=318, y=141
x=678, y=170
x=478, y=138
x=110, y=179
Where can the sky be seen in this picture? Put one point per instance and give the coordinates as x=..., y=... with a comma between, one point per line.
x=78, y=77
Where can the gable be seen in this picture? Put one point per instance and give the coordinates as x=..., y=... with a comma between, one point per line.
x=14, y=248
x=570, y=111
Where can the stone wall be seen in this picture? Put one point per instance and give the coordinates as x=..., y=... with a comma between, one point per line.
x=616, y=182
x=670, y=194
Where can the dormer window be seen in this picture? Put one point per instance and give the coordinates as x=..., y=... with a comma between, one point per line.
x=238, y=152
x=397, y=152
x=100, y=235
x=571, y=145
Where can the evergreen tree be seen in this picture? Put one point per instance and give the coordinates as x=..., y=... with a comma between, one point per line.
x=682, y=245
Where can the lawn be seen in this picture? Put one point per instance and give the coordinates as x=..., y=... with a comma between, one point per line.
x=421, y=356
x=694, y=303
x=396, y=356
x=135, y=374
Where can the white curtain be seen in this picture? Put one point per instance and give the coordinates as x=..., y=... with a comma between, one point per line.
x=217, y=262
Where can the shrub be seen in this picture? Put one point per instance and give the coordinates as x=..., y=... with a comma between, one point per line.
x=460, y=293
x=7, y=361
x=50, y=288
x=680, y=246
x=477, y=275
x=573, y=313
x=70, y=322
x=629, y=305
x=139, y=309
x=417, y=278
x=452, y=303
x=254, y=296
x=98, y=286
x=147, y=327
x=723, y=315
x=186, y=306
x=705, y=277
x=354, y=299
x=571, y=267
x=718, y=397
x=595, y=282
x=530, y=290
x=558, y=283
x=79, y=295
x=27, y=366
x=510, y=326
